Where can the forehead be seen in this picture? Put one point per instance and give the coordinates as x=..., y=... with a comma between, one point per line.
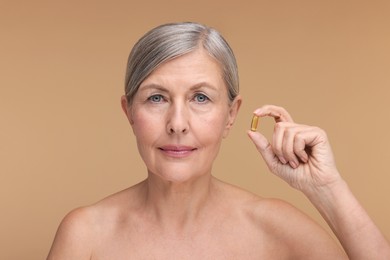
x=193, y=67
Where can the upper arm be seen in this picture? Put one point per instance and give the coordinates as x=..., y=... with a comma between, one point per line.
x=303, y=238
x=74, y=237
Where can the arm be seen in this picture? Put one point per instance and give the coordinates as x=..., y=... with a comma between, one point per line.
x=355, y=230
x=301, y=155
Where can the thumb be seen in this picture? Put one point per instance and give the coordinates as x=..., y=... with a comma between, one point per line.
x=264, y=147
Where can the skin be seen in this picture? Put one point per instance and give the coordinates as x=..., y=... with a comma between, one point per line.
x=301, y=155
x=179, y=117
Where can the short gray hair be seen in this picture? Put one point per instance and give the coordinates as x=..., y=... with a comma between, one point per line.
x=172, y=40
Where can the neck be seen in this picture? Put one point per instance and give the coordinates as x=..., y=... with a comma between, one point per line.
x=177, y=206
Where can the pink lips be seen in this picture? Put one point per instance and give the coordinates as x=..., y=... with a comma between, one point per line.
x=177, y=151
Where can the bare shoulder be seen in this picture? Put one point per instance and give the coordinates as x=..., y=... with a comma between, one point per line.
x=80, y=230
x=283, y=226
x=302, y=237
x=74, y=237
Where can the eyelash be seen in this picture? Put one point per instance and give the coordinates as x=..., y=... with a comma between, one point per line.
x=206, y=98
x=161, y=98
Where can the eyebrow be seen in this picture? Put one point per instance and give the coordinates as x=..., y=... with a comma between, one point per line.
x=201, y=85
x=152, y=86
x=197, y=86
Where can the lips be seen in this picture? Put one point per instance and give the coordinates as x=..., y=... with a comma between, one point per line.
x=177, y=151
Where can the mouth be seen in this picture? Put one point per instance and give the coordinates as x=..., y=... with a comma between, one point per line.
x=177, y=151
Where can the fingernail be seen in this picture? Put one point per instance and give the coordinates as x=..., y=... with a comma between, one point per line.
x=282, y=160
x=293, y=164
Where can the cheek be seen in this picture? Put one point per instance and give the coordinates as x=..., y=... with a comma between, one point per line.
x=212, y=127
x=145, y=126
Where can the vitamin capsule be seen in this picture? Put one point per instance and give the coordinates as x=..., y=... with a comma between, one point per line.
x=255, y=121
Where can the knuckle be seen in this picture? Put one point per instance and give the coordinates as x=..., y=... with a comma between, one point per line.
x=280, y=125
x=277, y=151
x=320, y=131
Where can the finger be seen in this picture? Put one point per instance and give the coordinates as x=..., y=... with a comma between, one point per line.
x=264, y=147
x=278, y=113
x=288, y=146
x=315, y=141
x=300, y=147
x=306, y=137
x=277, y=142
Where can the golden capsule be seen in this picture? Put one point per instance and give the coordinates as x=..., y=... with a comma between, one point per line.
x=255, y=122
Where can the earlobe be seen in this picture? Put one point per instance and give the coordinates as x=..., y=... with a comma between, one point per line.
x=126, y=109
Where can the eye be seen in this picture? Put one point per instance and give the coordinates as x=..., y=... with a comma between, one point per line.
x=156, y=98
x=201, y=98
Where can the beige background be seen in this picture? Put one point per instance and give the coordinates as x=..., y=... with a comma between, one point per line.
x=64, y=141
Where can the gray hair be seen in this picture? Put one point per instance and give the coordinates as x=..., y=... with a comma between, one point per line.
x=172, y=40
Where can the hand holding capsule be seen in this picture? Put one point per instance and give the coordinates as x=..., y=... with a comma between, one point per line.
x=299, y=154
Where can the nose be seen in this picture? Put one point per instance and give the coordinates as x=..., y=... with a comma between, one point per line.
x=177, y=119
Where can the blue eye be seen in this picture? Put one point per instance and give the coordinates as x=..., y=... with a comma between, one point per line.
x=201, y=98
x=156, y=98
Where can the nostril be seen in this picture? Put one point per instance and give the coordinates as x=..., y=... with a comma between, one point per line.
x=172, y=130
x=177, y=120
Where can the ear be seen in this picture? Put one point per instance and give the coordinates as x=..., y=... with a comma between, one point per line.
x=233, y=112
x=126, y=109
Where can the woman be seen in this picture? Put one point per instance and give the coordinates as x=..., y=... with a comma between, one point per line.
x=181, y=99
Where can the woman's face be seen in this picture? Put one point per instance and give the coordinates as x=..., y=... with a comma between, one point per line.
x=179, y=116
